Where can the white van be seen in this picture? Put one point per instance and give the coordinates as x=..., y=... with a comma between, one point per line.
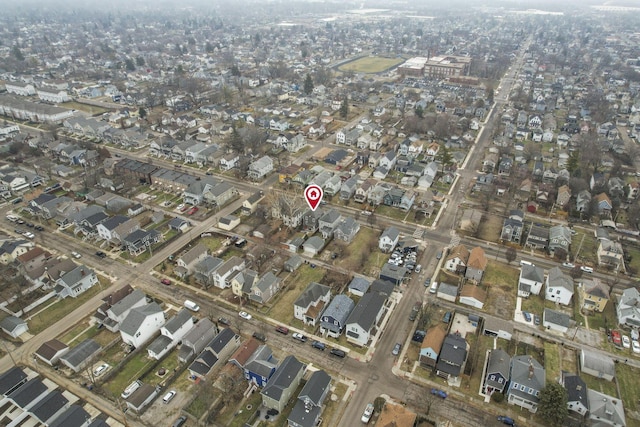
x=525, y=262
x=129, y=390
x=191, y=305
x=434, y=288
x=12, y=218
x=586, y=269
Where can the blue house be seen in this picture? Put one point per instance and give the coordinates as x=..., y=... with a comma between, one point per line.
x=335, y=316
x=260, y=366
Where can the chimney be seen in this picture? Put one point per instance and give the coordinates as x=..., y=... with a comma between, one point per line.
x=530, y=369
x=82, y=273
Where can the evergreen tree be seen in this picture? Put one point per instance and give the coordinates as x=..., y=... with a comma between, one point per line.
x=129, y=65
x=17, y=53
x=308, y=84
x=140, y=61
x=444, y=157
x=208, y=47
x=553, y=404
x=344, y=109
x=142, y=113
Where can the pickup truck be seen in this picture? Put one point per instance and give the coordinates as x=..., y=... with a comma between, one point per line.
x=415, y=310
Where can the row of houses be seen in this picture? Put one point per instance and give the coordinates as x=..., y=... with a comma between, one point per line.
x=341, y=314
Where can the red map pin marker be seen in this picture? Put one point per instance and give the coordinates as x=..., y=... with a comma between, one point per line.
x=313, y=194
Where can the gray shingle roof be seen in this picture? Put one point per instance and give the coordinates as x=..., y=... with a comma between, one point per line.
x=557, y=278
x=10, y=379
x=72, y=278
x=576, y=389
x=557, y=317
x=136, y=317
x=177, y=321
x=127, y=302
x=532, y=273
x=10, y=323
x=311, y=293
x=159, y=344
x=526, y=371
x=49, y=406
x=28, y=392
x=220, y=342
x=82, y=352
x=365, y=312
x=359, y=284
x=75, y=416
x=282, y=378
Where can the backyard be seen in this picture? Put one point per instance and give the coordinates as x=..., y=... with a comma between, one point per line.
x=130, y=371
x=292, y=287
x=371, y=64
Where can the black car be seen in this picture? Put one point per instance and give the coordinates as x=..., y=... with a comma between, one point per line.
x=30, y=225
x=39, y=228
x=259, y=336
x=337, y=352
x=179, y=422
x=224, y=321
x=101, y=254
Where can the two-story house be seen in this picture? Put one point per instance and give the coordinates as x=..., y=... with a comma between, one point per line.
x=363, y=320
x=260, y=168
x=264, y=288
x=283, y=383
x=141, y=324
x=530, y=280
x=512, y=227
x=196, y=339
x=389, y=239
x=431, y=346
x=187, y=262
x=306, y=412
x=75, y=282
x=559, y=287
x=577, y=400
x=334, y=318
x=527, y=381
x=628, y=308
x=497, y=372
x=171, y=333
x=222, y=275
x=456, y=260
x=328, y=223
x=595, y=294
x=559, y=238
x=311, y=303
x=476, y=264
x=452, y=357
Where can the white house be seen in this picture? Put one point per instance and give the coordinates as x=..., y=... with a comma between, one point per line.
x=171, y=334
x=628, y=308
x=75, y=282
x=141, y=324
x=13, y=326
x=54, y=97
x=389, y=239
x=559, y=287
x=530, y=280
x=364, y=318
x=555, y=320
x=311, y=303
x=260, y=168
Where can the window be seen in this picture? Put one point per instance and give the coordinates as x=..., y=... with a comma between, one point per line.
x=522, y=387
x=558, y=292
x=492, y=378
x=500, y=380
x=530, y=390
x=537, y=393
x=515, y=385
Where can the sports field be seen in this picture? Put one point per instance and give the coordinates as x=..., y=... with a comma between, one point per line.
x=371, y=64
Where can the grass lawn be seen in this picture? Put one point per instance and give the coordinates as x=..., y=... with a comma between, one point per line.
x=128, y=373
x=483, y=343
x=627, y=378
x=534, y=304
x=597, y=320
x=242, y=415
x=78, y=330
x=371, y=64
x=198, y=406
x=294, y=284
x=499, y=274
x=635, y=256
x=551, y=361
x=91, y=109
x=331, y=407
x=603, y=386
x=60, y=309
x=391, y=212
x=588, y=247
x=356, y=256
x=169, y=363
x=490, y=228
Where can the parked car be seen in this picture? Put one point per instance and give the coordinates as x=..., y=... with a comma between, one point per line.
x=318, y=345
x=586, y=269
x=38, y=228
x=506, y=420
x=415, y=310
x=299, y=337
x=616, y=338
x=75, y=254
x=536, y=319
x=165, y=282
x=337, y=352
x=418, y=268
x=568, y=264
x=440, y=393
x=282, y=330
x=169, y=396
x=100, y=370
x=260, y=337
x=224, y=321
x=180, y=421
x=427, y=282
x=447, y=317
x=635, y=346
x=527, y=316
x=192, y=210
x=368, y=412
x=439, y=255
x=181, y=207
x=396, y=349
x=626, y=342
x=101, y=254
x=244, y=315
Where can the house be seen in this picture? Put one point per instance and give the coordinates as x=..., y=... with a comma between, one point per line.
x=250, y=205
x=447, y=292
x=51, y=351
x=555, y=320
x=243, y=282
x=178, y=224
x=78, y=357
x=452, y=357
x=610, y=255
x=559, y=287
x=396, y=415
x=186, y=263
x=583, y=199
x=229, y=222
x=564, y=196
x=261, y=357
x=559, y=238
x=196, y=339
x=456, y=260
x=140, y=240
x=120, y=309
x=347, y=230
x=75, y=282
x=222, y=275
x=10, y=250
x=171, y=333
x=328, y=222
x=603, y=203
x=628, y=308
x=358, y=286
x=281, y=386
x=476, y=264
x=141, y=324
x=389, y=239
x=595, y=294
x=497, y=372
x=265, y=288
x=311, y=303
x=512, y=227
x=293, y=263
x=306, y=412
x=393, y=273
x=530, y=280
x=362, y=323
x=473, y=295
x=205, y=270
x=431, y=346
x=538, y=237
x=260, y=168
x=334, y=318
x=577, y=400
x=219, y=349
x=605, y=410
x=597, y=365
x=527, y=381
x=13, y=326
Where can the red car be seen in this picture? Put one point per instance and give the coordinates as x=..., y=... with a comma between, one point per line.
x=617, y=338
x=165, y=281
x=282, y=330
x=192, y=210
